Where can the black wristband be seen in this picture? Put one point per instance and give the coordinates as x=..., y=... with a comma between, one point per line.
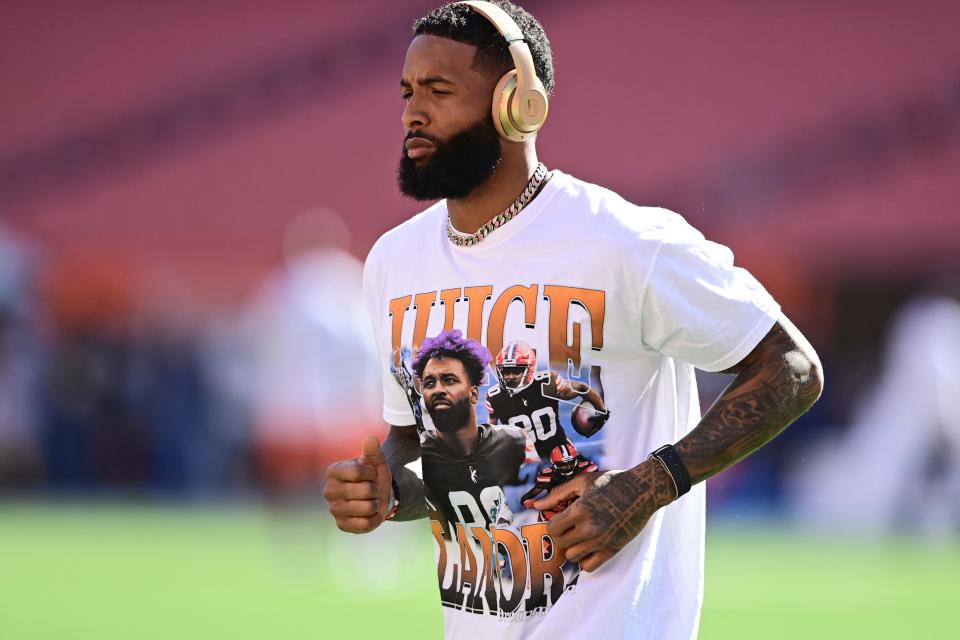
x=671, y=461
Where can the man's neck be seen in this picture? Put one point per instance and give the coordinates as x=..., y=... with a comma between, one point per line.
x=463, y=441
x=496, y=194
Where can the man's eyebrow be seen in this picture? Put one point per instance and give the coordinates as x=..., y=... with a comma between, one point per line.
x=431, y=80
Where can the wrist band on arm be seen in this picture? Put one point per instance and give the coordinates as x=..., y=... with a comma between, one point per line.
x=670, y=459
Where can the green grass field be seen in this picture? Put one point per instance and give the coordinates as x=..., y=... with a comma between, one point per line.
x=121, y=573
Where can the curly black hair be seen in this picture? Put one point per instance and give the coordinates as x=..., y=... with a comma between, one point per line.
x=461, y=23
x=452, y=344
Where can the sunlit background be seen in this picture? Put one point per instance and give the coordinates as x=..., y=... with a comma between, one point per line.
x=187, y=191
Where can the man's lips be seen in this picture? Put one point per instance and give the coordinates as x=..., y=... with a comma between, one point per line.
x=440, y=403
x=418, y=148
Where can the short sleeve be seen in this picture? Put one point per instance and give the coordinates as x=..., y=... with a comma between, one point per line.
x=697, y=307
x=396, y=410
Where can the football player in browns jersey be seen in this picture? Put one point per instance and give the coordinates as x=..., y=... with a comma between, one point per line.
x=465, y=464
x=565, y=463
x=528, y=399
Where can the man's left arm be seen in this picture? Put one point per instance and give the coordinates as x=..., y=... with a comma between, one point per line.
x=774, y=385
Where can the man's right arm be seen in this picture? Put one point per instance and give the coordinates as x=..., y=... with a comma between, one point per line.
x=402, y=447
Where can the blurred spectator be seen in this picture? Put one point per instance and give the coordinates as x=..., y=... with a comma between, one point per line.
x=92, y=437
x=169, y=387
x=126, y=403
x=898, y=466
x=226, y=370
x=173, y=384
x=19, y=355
x=314, y=386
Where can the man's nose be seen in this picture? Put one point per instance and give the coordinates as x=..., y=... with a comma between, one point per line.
x=414, y=115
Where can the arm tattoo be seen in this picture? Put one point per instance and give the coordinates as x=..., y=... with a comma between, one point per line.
x=774, y=386
x=401, y=447
x=620, y=504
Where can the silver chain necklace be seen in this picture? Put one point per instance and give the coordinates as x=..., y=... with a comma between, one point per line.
x=469, y=239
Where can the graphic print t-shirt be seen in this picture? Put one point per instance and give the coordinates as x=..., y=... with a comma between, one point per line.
x=617, y=304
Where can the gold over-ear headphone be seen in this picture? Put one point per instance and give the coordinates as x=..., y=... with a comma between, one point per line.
x=520, y=102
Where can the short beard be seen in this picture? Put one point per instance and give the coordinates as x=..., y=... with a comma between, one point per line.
x=457, y=166
x=452, y=419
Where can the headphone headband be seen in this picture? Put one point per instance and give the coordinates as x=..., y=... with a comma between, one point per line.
x=500, y=19
x=520, y=102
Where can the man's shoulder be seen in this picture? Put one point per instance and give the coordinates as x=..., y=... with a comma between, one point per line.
x=608, y=209
x=402, y=239
x=547, y=381
x=430, y=442
x=507, y=436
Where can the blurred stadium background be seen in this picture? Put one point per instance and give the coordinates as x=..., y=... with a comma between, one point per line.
x=185, y=188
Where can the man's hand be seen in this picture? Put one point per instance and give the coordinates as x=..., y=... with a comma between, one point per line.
x=561, y=496
x=608, y=511
x=358, y=491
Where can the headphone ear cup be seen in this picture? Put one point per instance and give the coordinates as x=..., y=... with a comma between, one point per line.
x=501, y=107
x=517, y=118
x=529, y=110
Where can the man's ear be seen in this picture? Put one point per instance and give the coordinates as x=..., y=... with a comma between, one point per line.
x=474, y=395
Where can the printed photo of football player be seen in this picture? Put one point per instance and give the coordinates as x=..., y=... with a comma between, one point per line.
x=565, y=463
x=530, y=399
x=465, y=464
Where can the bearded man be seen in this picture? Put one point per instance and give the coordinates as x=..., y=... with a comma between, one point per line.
x=628, y=298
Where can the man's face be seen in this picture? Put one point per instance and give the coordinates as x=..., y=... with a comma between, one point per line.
x=565, y=468
x=451, y=146
x=447, y=393
x=512, y=376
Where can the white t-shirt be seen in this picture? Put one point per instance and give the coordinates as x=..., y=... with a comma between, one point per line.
x=626, y=300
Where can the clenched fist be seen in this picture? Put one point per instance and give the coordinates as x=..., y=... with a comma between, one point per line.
x=358, y=491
